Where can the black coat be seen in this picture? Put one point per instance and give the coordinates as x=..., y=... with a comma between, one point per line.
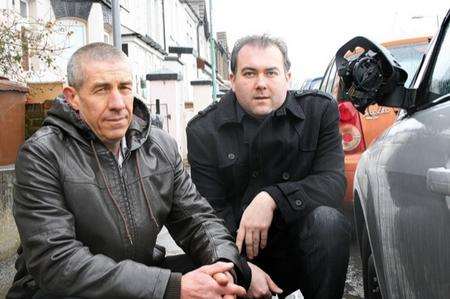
x=296, y=156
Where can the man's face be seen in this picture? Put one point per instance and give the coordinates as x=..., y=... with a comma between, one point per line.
x=260, y=82
x=105, y=100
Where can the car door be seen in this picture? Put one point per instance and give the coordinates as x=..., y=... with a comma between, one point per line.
x=407, y=176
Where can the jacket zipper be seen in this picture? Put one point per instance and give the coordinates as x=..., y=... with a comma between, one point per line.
x=116, y=205
x=124, y=187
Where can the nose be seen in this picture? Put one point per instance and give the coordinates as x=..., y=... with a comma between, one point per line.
x=116, y=100
x=261, y=82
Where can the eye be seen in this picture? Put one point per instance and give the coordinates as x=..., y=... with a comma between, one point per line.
x=100, y=90
x=272, y=73
x=126, y=88
x=248, y=74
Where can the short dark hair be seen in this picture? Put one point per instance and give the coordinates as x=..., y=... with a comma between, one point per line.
x=262, y=41
x=93, y=51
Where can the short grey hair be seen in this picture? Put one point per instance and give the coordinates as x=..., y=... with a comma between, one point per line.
x=90, y=52
x=262, y=41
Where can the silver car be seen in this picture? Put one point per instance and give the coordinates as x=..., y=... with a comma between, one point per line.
x=402, y=182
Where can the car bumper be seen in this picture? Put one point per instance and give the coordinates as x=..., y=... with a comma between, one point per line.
x=351, y=161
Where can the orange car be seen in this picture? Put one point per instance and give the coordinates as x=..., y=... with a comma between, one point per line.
x=360, y=130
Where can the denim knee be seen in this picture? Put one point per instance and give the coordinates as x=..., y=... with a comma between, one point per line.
x=328, y=226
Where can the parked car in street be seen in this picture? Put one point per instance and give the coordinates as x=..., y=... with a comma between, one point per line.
x=359, y=130
x=402, y=181
x=311, y=83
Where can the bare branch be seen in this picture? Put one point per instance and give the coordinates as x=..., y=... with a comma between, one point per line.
x=22, y=39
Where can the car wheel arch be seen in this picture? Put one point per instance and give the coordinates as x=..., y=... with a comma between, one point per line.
x=364, y=243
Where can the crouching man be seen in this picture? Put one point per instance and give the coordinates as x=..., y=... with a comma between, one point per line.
x=94, y=187
x=270, y=162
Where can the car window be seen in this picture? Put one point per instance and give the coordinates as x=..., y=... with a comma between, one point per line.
x=409, y=57
x=335, y=90
x=315, y=83
x=439, y=83
x=329, y=86
x=324, y=81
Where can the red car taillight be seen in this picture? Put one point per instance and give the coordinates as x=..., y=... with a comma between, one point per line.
x=350, y=128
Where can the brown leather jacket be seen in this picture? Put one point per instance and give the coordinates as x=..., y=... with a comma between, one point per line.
x=88, y=228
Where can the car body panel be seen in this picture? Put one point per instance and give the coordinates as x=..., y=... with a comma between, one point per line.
x=350, y=163
x=375, y=121
x=402, y=186
x=399, y=199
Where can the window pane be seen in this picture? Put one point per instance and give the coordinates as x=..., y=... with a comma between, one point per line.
x=330, y=82
x=323, y=84
x=440, y=79
x=75, y=40
x=315, y=83
x=68, y=43
x=409, y=57
x=24, y=8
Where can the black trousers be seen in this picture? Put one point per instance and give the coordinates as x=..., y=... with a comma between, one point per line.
x=310, y=255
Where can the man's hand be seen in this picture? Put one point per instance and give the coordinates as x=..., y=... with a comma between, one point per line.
x=223, y=279
x=262, y=286
x=201, y=283
x=255, y=223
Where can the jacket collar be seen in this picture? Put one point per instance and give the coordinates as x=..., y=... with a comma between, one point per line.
x=293, y=106
x=227, y=112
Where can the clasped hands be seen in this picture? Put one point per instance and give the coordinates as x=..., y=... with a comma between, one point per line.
x=211, y=282
x=215, y=281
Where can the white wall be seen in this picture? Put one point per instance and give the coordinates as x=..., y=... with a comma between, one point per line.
x=202, y=97
x=95, y=27
x=144, y=60
x=170, y=93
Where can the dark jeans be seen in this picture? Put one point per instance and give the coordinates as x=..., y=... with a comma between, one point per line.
x=311, y=255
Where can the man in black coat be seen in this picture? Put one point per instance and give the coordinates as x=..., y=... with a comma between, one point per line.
x=271, y=163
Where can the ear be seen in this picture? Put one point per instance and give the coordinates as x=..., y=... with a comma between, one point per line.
x=72, y=98
x=232, y=77
x=288, y=76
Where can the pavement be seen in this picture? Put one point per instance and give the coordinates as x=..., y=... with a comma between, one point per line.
x=6, y=274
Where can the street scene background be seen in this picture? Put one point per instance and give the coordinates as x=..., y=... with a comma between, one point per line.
x=180, y=52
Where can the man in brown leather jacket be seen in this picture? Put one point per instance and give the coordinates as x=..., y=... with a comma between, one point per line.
x=94, y=187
